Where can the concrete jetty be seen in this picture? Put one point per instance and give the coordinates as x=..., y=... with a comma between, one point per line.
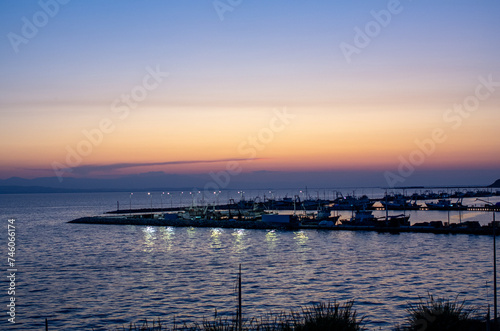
x=200, y=223
x=259, y=224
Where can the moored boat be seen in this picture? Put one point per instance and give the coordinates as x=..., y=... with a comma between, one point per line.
x=446, y=204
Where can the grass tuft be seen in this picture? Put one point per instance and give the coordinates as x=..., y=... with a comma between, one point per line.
x=330, y=316
x=441, y=315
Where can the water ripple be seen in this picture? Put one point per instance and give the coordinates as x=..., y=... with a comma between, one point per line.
x=103, y=277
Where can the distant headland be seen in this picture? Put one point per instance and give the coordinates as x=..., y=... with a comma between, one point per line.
x=495, y=184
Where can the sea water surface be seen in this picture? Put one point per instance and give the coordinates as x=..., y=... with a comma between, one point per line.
x=102, y=277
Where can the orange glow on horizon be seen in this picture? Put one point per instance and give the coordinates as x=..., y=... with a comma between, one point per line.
x=314, y=140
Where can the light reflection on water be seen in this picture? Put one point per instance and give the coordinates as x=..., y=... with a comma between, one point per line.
x=149, y=238
x=167, y=235
x=215, y=236
x=301, y=237
x=91, y=276
x=239, y=240
x=272, y=239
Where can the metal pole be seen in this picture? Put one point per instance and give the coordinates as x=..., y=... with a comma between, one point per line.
x=46, y=325
x=494, y=271
x=386, y=207
x=240, y=324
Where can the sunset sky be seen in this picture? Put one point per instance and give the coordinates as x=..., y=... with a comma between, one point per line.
x=108, y=88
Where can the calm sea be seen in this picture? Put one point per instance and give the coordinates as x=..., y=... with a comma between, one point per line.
x=84, y=277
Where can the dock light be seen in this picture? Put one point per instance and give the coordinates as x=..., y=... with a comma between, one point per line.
x=130, y=202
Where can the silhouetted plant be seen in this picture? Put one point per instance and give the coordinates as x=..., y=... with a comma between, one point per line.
x=334, y=317
x=441, y=315
x=155, y=326
x=329, y=317
x=275, y=322
x=219, y=323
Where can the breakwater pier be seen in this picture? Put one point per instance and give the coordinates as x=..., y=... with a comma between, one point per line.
x=292, y=213
x=470, y=228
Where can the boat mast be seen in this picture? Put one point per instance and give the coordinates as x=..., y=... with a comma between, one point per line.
x=386, y=207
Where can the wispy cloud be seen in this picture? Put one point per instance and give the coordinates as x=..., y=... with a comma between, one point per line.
x=93, y=168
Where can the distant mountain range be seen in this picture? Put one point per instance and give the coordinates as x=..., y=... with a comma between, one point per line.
x=160, y=181
x=146, y=181
x=34, y=189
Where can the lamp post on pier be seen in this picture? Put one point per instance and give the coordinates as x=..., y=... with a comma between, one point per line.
x=151, y=199
x=495, y=306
